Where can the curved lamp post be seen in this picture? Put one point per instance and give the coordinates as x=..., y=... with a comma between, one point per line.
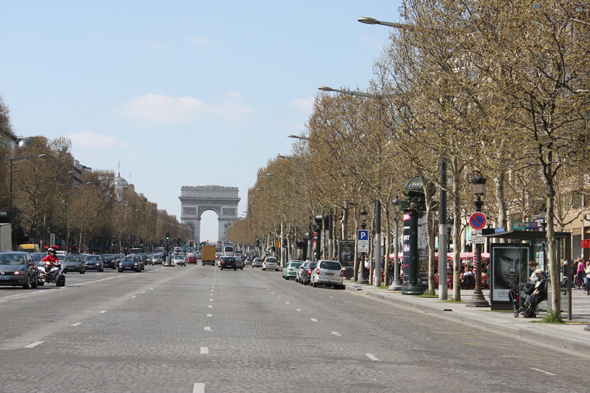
x=396, y=285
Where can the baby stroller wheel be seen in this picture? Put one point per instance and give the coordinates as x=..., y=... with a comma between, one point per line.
x=516, y=314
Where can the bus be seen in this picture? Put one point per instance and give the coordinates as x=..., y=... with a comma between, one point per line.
x=136, y=250
x=228, y=249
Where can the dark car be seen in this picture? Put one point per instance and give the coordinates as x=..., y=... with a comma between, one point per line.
x=74, y=263
x=18, y=269
x=305, y=277
x=130, y=262
x=110, y=260
x=227, y=262
x=94, y=262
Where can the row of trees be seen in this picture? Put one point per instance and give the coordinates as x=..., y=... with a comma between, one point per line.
x=47, y=193
x=485, y=85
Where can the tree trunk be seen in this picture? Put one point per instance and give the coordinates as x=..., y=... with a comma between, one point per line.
x=456, y=232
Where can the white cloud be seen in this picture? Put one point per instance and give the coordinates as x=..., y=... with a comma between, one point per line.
x=371, y=42
x=164, y=109
x=201, y=42
x=304, y=104
x=93, y=144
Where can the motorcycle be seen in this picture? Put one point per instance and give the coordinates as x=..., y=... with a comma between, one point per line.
x=53, y=274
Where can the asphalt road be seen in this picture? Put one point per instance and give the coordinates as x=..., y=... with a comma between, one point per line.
x=199, y=329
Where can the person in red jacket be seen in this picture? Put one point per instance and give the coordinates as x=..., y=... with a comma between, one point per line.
x=51, y=257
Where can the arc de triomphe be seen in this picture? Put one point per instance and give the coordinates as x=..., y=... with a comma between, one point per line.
x=194, y=201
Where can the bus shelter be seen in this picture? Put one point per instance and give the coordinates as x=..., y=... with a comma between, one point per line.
x=510, y=259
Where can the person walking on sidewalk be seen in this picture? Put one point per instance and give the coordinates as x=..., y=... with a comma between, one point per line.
x=587, y=271
x=581, y=273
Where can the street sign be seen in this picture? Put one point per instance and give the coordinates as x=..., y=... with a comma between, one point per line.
x=477, y=237
x=477, y=220
x=363, y=240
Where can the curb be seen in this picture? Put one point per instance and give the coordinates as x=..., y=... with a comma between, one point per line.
x=519, y=332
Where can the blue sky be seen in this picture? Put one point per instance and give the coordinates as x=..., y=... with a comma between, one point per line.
x=183, y=93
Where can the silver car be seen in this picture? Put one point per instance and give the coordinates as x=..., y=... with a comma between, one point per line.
x=257, y=262
x=270, y=263
x=328, y=273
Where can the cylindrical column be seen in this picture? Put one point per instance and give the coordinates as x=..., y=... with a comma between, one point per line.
x=377, y=252
x=396, y=285
x=442, y=234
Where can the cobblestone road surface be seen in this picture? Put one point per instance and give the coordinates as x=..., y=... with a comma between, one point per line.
x=189, y=329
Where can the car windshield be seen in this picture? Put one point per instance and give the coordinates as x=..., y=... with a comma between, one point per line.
x=129, y=259
x=271, y=260
x=13, y=259
x=92, y=258
x=228, y=259
x=330, y=265
x=73, y=258
x=37, y=256
x=295, y=264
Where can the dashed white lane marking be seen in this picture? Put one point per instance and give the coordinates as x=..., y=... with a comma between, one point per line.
x=337, y=334
x=541, y=371
x=204, y=351
x=331, y=297
x=133, y=297
x=208, y=328
x=77, y=324
x=272, y=293
x=210, y=300
x=313, y=319
x=143, y=292
x=287, y=303
x=372, y=357
x=298, y=309
x=151, y=289
x=102, y=312
x=210, y=306
x=209, y=315
x=33, y=345
x=199, y=388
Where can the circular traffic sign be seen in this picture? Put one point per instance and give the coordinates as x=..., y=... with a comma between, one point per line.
x=477, y=220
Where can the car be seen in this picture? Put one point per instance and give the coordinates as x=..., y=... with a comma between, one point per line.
x=74, y=263
x=239, y=263
x=248, y=261
x=290, y=269
x=327, y=273
x=191, y=258
x=270, y=263
x=227, y=262
x=18, y=269
x=94, y=262
x=130, y=262
x=157, y=259
x=257, y=262
x=144, y=260
x=179, y=260
x=305, y=275
x=110, y=260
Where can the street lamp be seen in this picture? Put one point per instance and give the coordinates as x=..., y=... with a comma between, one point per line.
x=361, y=273
x=478, y=300
x=396, y=285
x=373, y=21
x=299, y=137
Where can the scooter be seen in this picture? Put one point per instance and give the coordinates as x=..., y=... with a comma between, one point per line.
x=53, y=274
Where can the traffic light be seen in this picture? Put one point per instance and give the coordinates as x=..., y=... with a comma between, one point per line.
x=167, y=235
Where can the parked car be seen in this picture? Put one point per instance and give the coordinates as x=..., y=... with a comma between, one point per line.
x=130, y=262
x=227, y=262
x=74, y=263
x=257, y=262
x=305, y=276
x=290, y=269
x=270, y=263
x=109, y=260
x=18, y=269
x=328, y=273
x=191, y=258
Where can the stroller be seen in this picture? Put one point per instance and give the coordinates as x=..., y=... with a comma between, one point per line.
x=514, y=297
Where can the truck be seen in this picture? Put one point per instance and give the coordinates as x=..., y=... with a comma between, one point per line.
x=208, y=255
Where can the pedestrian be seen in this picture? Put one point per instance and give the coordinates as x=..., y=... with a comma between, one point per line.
x=367, y=266
x=581, y=273
x=587, y=271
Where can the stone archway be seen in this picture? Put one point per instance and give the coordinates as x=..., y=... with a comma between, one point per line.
x=194, y=201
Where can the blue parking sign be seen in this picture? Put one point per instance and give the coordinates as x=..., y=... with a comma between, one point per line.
x=363, y=234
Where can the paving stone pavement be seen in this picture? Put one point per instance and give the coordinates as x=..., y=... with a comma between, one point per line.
x=159, y=331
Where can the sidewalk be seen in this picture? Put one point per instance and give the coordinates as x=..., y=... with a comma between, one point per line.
x=571, y=336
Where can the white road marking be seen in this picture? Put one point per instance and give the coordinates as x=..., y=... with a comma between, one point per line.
x=210, y=306
x=199, y=388
x=372, y=357
x=541, y=371
x=298, y=309
x=210, y=300
x=77, y=324
x=143, y=292
x=331, y=297
x=133, y=297
x=91, y=282
x=33, y=345
x=208, y=328
x=204, y=351
x=102, y=312
x=337, y=334
x=287, y=303
x=151, y=289
x=209, y=315
x=313, y=319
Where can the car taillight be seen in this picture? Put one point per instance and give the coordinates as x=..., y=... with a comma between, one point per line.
x=290, y=270
x=317, y=271
x=341, y=273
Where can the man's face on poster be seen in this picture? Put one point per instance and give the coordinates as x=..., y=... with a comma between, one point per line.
x=508, y=267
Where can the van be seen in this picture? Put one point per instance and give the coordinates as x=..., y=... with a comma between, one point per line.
x=28, y=248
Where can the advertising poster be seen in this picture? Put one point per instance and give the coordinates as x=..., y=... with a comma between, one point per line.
x=406, y=244
x=422, y=249
x=346, y=253
x=508, y=269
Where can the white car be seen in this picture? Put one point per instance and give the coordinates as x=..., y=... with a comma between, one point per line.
x=270, y=263
x=257, y=262
x=179, y=260
x=328, y=273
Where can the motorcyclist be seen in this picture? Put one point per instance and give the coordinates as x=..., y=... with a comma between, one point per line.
x=51, y=257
